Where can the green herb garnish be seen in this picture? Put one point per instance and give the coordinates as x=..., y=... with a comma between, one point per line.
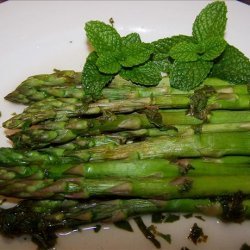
x=188, y=60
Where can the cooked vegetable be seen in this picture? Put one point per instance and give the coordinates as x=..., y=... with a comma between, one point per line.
x=171, y=144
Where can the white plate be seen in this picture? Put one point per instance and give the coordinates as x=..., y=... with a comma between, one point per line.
x=38, y=36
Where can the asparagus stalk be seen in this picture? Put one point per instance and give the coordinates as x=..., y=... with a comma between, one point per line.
x=41, y=219
x=32, y=90
x=117, y=138
x=58, y=132
x=163, y=188
x=117, y=89
x=211, y=145
x=39, y=138
x=160, y=168
x=198, y=145
x=12, y=157
x=168, y=117
x=70, y=107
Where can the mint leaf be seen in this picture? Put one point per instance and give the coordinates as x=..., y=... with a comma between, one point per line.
x=188, y=75
x=108, y=62
x=134, y=54
x=212, y=47
x=148, y=74
x=184, y=51
x=93, y=80
x=102, y=36
x=210, y=22
x=232, y=66
x=163, y=65
x=131, y=39
x=163, y=46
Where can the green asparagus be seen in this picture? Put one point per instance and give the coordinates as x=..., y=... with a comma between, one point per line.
x=160, y=168
x=162, y=188
x=40, y=87
x=164, y=158
x=58, y=132
x=211, y=144
x=199, y=145
x=39, y=138
x=71, y=107
x=28, y=90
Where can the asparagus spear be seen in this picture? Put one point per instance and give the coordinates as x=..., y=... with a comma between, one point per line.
x=70, y=107
x=199, y=145
x=41, y=219
x=28, y=93
x=58, y=132
x=163, y=188
x=28, y=90
x=12, y=157
x=160, y=168
x=117, y=89
x=211, y=144
x=117, y=138
x=39, y=138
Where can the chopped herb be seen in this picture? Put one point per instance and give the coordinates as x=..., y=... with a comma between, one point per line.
x=184, y=248
x=157, y=217
x=245, y=246
x=171, y=218
x=197, y=128
x=184, y=166
x=97, y=228
x=187, y=216
x=233, y=209
x=198, y=102
x=125, y=225
x=196, y=234
x=185, y=186
x=166, y=237
x=147, y=233
x=160, y=218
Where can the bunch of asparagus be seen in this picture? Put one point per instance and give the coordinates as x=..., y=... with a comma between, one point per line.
x=137, y=150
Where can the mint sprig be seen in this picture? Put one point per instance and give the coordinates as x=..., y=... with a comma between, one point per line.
x=188, y=60
x=207, y=44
